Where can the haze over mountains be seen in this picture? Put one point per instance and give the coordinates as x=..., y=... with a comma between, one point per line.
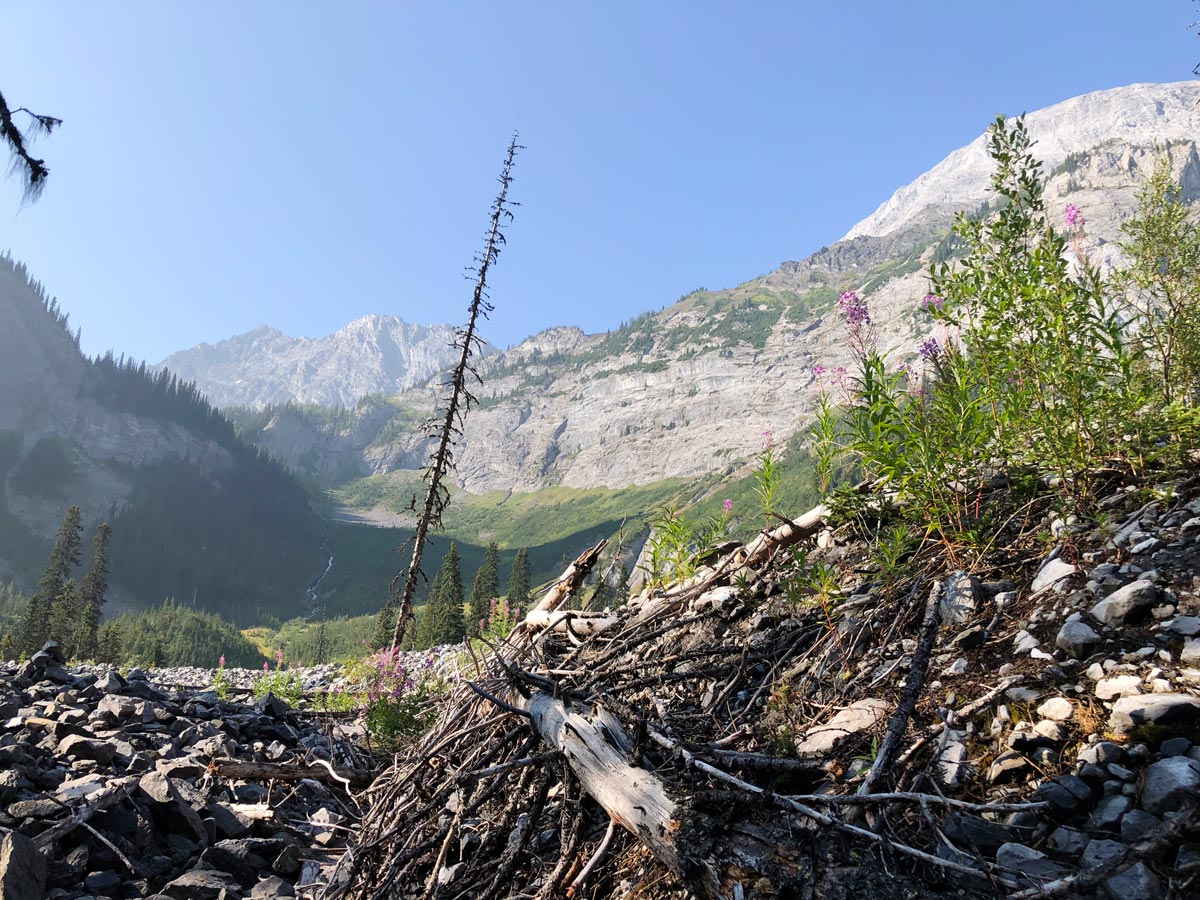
x=688, y=391
x=674, y=400
x=372, y=355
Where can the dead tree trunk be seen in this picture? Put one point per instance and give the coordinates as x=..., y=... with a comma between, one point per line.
x=718, y=845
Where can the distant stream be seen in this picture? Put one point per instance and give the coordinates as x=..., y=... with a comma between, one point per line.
x=315, y=584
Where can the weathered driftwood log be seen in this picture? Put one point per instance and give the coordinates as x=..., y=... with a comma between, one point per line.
x=719, y=845
x=565, y=621
x=112, y=793
x=570, y=580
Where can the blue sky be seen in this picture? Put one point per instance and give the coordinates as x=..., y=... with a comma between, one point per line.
x=303, y=164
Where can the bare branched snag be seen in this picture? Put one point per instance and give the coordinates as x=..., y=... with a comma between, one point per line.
x=448, y=422
x=33, y=171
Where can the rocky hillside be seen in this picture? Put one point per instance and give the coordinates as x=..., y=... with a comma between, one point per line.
x=371, y=355
x=147, y=453
x=689, y=390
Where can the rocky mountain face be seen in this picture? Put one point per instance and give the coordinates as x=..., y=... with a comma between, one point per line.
x=148, y=454
x=371, y=355
x=690, y=390
x=47, y=401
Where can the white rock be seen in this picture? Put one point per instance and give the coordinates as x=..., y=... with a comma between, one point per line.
x=1058, y=709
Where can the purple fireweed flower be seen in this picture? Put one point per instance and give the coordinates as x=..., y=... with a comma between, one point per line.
x=931, y=349
x=769, y=437
x=266, y=667
x=221, y=662
x=932, y=300
x=728, y=505
x=279, y=657
x=854, y=308
x=1073, y=215
x=818, y=370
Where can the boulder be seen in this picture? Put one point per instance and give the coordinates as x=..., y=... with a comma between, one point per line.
x=1169, y=784
x=1126, y=603
x=22, y=868
x=1077, y=638
x=1178, y=711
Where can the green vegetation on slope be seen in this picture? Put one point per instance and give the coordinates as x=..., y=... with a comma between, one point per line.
x=174, y=634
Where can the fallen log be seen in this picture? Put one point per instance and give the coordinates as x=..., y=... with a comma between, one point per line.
x=719, y=846
x=261, y=771
x=114, y=792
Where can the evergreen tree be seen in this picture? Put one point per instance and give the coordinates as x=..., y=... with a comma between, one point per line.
x=518, y=581
x=7, y=645
x=621, y=591
x=110, y=644
x=322, y=653
x=64, y=556
x=385, y=622
x=447, y=625
x=95, y=586
x=66, y=616
x=485, y=588
x=428, y=614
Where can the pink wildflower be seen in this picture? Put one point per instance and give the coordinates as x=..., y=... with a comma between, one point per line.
x=728, y=505
x=278, y=657
x=221, y=662
x=266, y=667
x=1073, y=215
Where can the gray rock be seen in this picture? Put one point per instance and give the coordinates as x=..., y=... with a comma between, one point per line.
x=270, y=888
x=1007, y=767
x=1136, y=824
x=87, y=748
x=1125, y=603
x=203, y=884
x=1118, y=686
x=973, y=831
x=37, y=808
x=110, y=682
x=960, y=598
x=1051, y=731
x=1178, y=711
x=854, y=719
x=1190, y=654
x=22, y=868
x=1051, y=574
x=1186, y=626
x=1029, y=862
x=172, y=808
x=1169, y=784
x=1137, y=882
x=1100, y=753
x=1077, y=638
x=1059, y=709
x=1068, y=841
x=1176, y=746
x=953, y=764
x=1108, y=812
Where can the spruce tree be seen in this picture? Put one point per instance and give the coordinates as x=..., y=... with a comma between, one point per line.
x=447, y=626
x=518, y=581
x=321, y=656
x=64, y=556
x=66, y=616
x=384, y=623
x=484, y=589
x=110, y=643
x=622, y=588
x=95, y=586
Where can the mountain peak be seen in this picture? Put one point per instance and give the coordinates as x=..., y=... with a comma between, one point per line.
x=1146, y=114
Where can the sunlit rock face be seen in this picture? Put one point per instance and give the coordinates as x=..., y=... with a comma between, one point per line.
x=690, y=390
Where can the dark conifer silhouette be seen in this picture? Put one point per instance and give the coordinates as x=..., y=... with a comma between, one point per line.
x=484, y=588
x=33, y=171
x=447, y=424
